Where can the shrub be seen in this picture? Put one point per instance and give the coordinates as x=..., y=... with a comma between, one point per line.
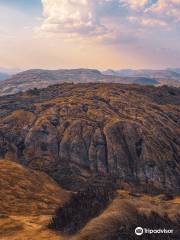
x=83, y=206
x=34, y=91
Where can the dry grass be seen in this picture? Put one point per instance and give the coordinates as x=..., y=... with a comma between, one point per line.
x=26, y=228
x=28, y=192
x=29, y=198
x=19, y=119
x=123, y=216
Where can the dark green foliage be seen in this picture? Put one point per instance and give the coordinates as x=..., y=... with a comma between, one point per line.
x=34, y=91
x=82, y=207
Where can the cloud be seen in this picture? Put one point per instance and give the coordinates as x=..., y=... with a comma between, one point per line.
x=95, y=17
x=135, y=4
x=102, y=21
x=91, y=33
x=164, y=13
x=169, y=10
x=153, y=22
x=70, y=16
x=118, y=22
x=146, y=22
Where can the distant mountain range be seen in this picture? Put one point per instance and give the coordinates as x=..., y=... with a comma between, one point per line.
x=169, y=73
x=10, y=71
x=6, y=73
x=3, y=76
x=38, y=78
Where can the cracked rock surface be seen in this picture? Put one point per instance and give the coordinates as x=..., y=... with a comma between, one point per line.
x=75, y=131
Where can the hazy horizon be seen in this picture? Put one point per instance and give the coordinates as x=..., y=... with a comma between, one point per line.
x=15, y=71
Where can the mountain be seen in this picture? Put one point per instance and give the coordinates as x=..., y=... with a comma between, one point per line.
x=176, y=70
x=75, y=131
x=169, y=76
x=89, y=161
x=37, y=78
x=6, y=73
x=170, y=73
x=10, y=71
x=122, y=73
x=3, y=76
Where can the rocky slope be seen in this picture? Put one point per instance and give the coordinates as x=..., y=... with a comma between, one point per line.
x=38, y=78
x=28, y=192
x=129, y=133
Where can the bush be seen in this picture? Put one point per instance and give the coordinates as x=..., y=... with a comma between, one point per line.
x=83, y=206
x=34, y=91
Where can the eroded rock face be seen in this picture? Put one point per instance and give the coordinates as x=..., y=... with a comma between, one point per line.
x=73, y=132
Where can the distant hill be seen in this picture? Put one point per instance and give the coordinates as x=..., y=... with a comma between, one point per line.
x=169, y=73
x=146, y=81
x=4, y=76
x=38, y=78
x=176, y=70
x=10, y=71
x=122, y=73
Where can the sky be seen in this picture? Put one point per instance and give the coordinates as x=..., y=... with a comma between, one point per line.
x=101, y=34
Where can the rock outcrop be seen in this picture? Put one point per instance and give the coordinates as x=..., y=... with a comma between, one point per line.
x=75, y=131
